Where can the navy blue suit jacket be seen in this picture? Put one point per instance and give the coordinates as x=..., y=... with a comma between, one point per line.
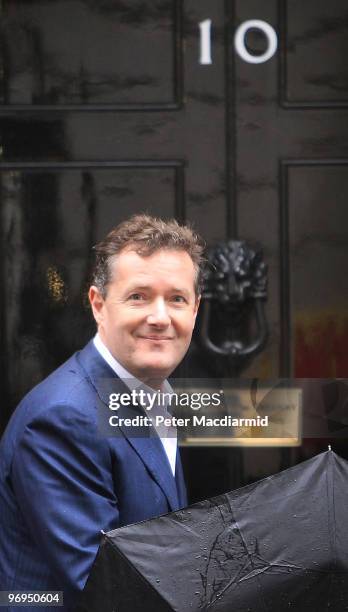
x=61, y=482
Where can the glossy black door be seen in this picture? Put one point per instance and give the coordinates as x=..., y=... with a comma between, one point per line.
x=106, y=110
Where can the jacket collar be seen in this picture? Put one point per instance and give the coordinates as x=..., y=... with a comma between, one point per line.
x=144, y=441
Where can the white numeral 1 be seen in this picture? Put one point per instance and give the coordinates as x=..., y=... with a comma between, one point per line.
x=205, y=47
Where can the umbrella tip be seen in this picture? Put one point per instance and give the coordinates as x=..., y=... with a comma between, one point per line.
x=329, y=447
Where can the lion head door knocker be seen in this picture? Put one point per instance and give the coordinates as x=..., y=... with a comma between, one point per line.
x=232, y=321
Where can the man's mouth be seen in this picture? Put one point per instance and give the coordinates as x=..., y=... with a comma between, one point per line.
x=156, y=338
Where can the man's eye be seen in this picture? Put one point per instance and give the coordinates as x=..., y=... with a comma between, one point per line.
x=136, y=297
x=179, y=299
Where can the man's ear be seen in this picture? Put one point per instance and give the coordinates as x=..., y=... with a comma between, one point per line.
x=97, y=303
x=197, y=303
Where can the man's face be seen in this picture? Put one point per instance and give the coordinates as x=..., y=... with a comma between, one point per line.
x=148, y=315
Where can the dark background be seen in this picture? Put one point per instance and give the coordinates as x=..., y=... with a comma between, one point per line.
x=105, y=111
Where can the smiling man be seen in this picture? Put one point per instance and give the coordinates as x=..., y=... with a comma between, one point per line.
x=146, y=316
x=61, y=481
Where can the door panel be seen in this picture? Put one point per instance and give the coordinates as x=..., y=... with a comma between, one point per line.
x=51, y=217
x=77, y=53
x=318, y=221
x=314, y=67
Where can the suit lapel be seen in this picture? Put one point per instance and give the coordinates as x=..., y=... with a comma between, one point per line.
x=180, y=481
x=153, y=455
x=143, y=440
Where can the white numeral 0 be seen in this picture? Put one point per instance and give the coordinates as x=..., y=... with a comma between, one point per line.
x=239, y=41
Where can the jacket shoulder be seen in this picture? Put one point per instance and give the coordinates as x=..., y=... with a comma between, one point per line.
x=67, y=392
x=64, y=384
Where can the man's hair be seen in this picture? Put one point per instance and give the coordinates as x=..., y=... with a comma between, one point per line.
x=145, y=235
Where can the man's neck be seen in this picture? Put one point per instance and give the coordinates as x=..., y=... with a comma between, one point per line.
x=154, y=382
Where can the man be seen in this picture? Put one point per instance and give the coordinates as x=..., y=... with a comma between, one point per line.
x=61, y=481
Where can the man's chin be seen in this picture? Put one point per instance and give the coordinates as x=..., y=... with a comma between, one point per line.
x=155, y=370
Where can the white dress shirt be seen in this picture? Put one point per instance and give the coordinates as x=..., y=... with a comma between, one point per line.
x=167, y=435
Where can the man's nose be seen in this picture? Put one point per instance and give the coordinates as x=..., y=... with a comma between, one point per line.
x=158, y=314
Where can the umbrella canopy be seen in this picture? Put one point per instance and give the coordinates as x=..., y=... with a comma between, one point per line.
x=278, y=544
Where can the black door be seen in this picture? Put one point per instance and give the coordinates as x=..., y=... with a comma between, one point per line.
x=116, y=107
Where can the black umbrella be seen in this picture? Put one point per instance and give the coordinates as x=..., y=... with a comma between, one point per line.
x=279, y=544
